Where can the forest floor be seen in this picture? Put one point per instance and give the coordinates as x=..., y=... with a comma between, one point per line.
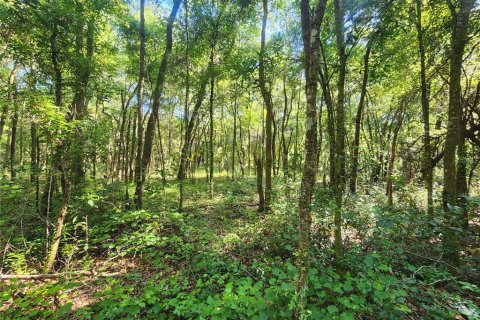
x=221, y=259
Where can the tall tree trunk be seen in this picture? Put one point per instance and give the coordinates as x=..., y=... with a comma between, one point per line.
x=311, y=22
x=425, y=88
x=267, y=98
x=162, y=156
x=327, y=96
x=127, y=164
x=274, y=148
x=320, y=134
x=210, y=141
x=187, y=92
x=241, y=153
x=58, y=87
x=141, y=76
x=234, y=140
x=153, y=118
x=187, y=141
x=460, y=22
x=393, y=150
x=340, y=127
x=57, y=161
x=286, y=115
x=249, y=144
x=358, y=121
x=13, y=136
x=295, y=149
x=34, y=163
x=461, y=175
x=133, y=148
x=79, y=105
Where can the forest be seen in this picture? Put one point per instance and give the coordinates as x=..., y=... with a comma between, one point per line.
x=240, y=159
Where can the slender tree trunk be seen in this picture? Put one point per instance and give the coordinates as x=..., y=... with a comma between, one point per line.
x=34, y=163
x=162, y=156
x=286, y=114
x=127, y=164
x=187, y=91
x=13, y=138
x=311, y=22
x=320, y=134
x=461, y=175
x=358, y=121
x=141, y=76
x=153, y=118
x=274, y=148
x=191, y=124
x=234, y=140
x=210, y=142
x=391, y=159
x=133, y=148
x=259, y=169
x=425, y=88
x=267, y=98
x=58, y=230
x=327, y=96
x=340, y=127
x=249, y=145
x=79, y=105
x=56, y=159
x=295, y=150
x=242, y=148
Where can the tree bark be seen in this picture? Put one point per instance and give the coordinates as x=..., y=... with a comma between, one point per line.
x=285, y=118
x=141, y=76
x=34, y=163
x=391, y=159
x=267, y=98
x=210, y=140
x=13, y=136
x=358, y=120
x=460, y=21
x=310, y=31
x=191, y=124
x=259, y=170
x=153, y=118
x=79, y=104
x=58, y=230
x=234, y=140
x=187, y=92
x=425, y=88
x=340, y=127
x=327, y=96
x=56, y=159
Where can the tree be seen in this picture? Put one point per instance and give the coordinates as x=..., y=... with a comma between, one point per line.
x=141, y=76
x=267, y=98
x=358, y=119
x=311, y=22
x=425, y=91
x=157, y=93
x=460, y=15
x=339, y=126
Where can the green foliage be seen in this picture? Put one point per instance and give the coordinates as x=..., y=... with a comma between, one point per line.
x=226, y=263
x=36, y=302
